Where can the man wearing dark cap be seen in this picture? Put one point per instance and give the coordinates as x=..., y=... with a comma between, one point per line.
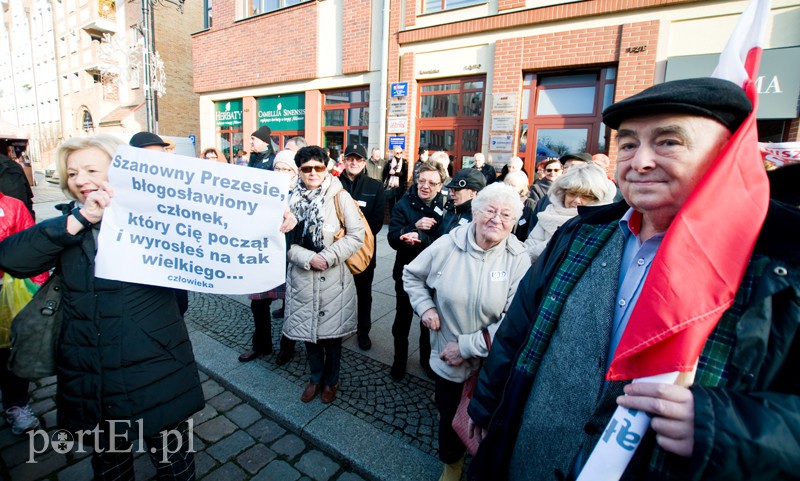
x=262, y=154
x=369, y=195
x=463, y=187
x=542, y=402
x=149, y=141
x=568, y=160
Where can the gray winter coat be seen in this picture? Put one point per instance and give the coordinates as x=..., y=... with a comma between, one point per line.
x=322, y=304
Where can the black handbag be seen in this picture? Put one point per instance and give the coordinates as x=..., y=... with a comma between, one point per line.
x=35, y=331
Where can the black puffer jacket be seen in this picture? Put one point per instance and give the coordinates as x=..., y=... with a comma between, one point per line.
x=124, y=351
x=747, y=429
x=370, y=197
x=408, y=210
x=454, y=216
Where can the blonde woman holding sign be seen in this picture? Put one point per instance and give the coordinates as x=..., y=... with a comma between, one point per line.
x=124, y=361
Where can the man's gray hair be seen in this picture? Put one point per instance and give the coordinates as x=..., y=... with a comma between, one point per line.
x=441, y=158
x=515, y=161
x=518, y=180
x=479, y=155
x=585, y=179
x=498, y=194
x=298, y=141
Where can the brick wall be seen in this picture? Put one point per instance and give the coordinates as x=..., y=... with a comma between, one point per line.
x=356, y=36
x=509, y=4
x=794, y=131
x=270, y=48
x=178, y=112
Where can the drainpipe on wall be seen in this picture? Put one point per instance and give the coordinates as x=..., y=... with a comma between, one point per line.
x=384, y=76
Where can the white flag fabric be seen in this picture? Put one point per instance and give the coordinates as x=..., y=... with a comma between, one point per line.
x=193, y=224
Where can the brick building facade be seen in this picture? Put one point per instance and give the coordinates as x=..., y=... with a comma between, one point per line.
x=498, y=77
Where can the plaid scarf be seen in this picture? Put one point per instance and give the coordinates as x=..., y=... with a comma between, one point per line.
x=306, y=205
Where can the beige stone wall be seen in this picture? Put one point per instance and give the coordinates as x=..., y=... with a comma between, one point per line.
x=178, y=108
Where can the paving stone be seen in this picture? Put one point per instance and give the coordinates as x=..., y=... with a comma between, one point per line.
x=43, y=406
x=277, y=470
x=44, y=392
x=243, y=415
x=289, y=446
x=144, y=468
x=256, y=458
x=197, y=443
x=317, y=466
x=20, y=452
x=202, y=464
x=229, y=447
x=49, y=419
x=211, y=388
x=46, y=381
x=266, y=430
x=7, y=438
x=45, y=465
x=228, y=472
x=81, y=471
x=204, y=415
x=346, y=476
x=225, y=401
x=203, y=376
x=215, y=429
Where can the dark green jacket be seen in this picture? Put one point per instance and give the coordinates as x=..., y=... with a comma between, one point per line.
x=124, y=351
x=746, y=391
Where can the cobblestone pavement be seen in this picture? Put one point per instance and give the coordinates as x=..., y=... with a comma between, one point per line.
x=233, y=441
x=403, y=409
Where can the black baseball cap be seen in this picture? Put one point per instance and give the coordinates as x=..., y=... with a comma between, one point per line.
x=146, y=139
x=356, y=149
x=579, y=156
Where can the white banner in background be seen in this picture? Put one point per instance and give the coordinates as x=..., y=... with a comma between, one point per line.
x=192, y=224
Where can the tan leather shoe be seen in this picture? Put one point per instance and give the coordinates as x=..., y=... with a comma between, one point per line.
x=329, y=394
x=310, y=392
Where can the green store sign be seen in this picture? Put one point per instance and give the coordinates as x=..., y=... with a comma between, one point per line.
x=282, y=112
x=228, y=113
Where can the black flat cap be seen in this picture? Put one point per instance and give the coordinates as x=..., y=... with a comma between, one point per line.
x=579, y=156
x=718, y=99
x=471, y=179
x=144, y=139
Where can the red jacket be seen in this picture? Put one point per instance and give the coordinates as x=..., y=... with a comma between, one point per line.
x=14, y=217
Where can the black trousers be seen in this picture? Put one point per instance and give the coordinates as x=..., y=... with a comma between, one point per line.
x=169, y=452
x=363, y=284
x=325, y=360
x=262, y=335
x=448, y=396
x=13, y=388
x=402, y=327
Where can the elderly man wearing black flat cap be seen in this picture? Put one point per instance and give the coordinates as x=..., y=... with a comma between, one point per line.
x=543, y=402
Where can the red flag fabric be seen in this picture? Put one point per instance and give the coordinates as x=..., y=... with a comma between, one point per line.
x=705, y=251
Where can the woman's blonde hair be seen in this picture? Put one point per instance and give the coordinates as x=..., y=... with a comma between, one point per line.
x=105, y=142
x=519, y=181
x=585, y=179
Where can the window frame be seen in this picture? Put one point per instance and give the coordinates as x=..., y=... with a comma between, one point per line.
x=345, y=107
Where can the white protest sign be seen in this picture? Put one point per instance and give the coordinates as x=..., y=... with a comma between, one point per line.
x=192, y=224
x=614, y=450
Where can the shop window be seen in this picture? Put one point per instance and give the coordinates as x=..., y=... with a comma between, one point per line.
x=345, y=118
x=772, y=130
x=451, y=117
x=257, y=7
x=562, y=112
x=431, y=6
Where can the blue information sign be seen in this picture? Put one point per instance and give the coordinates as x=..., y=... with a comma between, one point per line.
x=400, y=89
x=397, y=141
x=193, y=138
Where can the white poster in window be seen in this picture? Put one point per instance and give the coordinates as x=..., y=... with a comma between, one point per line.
x=397, y=125
x=192, y=224
x=504, y=102
x=503, y=123
x=501, y=143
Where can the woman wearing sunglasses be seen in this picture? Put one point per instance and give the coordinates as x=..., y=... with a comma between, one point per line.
x=320, y=293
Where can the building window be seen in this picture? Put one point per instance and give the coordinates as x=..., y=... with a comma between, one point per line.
x=431, y=6
x=207, y=18
x=562, y=112
x=257, y=7
x=451, y=117
x=345, y=118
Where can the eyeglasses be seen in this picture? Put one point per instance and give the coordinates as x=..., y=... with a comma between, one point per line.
x=430, y=184
x=505, y=217
x=306, y=169
x=353, y=158
x=552, y=170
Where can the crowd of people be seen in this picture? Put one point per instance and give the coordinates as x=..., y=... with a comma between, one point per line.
x=529, y=286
